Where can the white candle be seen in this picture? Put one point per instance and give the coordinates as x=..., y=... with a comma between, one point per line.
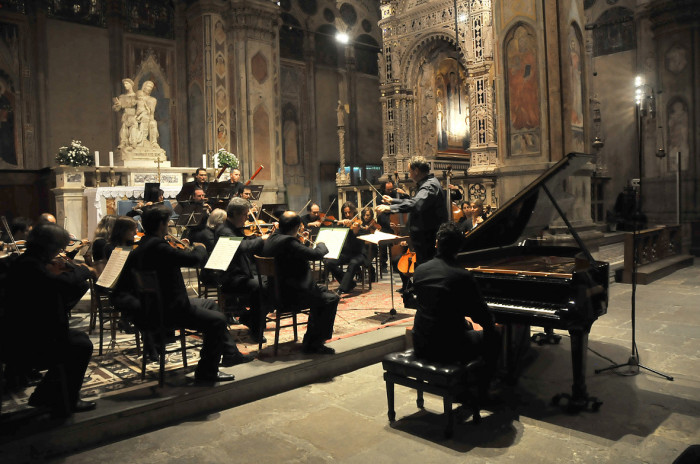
x=97, y=159
x=216, y=161
x=204, y=161
x=111, y=159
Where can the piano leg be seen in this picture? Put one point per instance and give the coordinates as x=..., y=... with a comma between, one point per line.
x=579, y=399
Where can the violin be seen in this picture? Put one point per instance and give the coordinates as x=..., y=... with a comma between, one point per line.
x=370, y=227
x=176, y=243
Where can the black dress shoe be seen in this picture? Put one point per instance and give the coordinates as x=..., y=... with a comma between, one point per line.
x=217, y=376
x=229, y=360
x=318, y=349
x=82, y=406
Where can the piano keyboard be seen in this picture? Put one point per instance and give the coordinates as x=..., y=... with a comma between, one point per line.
x=502, y=305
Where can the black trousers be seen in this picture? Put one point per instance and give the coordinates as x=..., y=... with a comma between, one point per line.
x=204, y=315
x=354, y=263
x=423, y=243
x=68, y=362
x=251, y=288
x=323, y=307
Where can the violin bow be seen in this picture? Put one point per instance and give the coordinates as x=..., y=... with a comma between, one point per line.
x=303, y=207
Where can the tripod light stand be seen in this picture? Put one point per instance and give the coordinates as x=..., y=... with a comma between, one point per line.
x=644, y=99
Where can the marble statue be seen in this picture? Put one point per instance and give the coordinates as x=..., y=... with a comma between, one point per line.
x=127, y=102
x=139, y=128
x=138, y=134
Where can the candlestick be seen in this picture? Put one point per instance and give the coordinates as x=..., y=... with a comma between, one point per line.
x=97, y=176
x=97, y=159
x=111, y=175
x=111, y=159
x=204, y=161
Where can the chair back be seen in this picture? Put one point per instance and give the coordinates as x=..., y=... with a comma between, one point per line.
x=267, y=267
x=148, y=291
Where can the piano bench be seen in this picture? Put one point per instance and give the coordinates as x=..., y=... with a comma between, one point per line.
x=450, y=381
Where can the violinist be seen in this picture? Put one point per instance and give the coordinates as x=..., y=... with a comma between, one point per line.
x=102, y=234
x=368, y=225
x=39, y=335
x=312, y=218
x=239, y=278
x=311, y=221
x=297, y=284
x=140, y=207
x=352, y=252
x=155, y=254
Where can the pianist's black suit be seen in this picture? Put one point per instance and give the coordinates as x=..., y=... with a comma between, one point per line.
x=446, y=295
x=298, y=286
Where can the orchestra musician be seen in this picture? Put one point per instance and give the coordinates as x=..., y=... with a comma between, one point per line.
x=140, y=207
x=312, y=220
x=200, y=181
x=465, y=222
x=235, y=181
x=440, y=331
x=239, y=278
x=427, y=209
x=297, y=284
x=352, y=254
x=40, y=336
x=154, y=253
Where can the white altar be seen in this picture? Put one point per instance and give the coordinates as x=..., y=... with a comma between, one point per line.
x=79, y=208
x=98, y=198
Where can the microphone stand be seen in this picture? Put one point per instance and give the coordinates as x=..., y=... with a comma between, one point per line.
x=633, y=361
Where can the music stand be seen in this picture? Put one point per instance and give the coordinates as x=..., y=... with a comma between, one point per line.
x=220, y=194
x=255, y=191
x=191, y=215
x=380, y=243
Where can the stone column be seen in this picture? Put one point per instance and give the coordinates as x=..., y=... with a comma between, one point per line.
x=253, y=30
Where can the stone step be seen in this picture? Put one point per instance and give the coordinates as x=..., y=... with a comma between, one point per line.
x=653, y=271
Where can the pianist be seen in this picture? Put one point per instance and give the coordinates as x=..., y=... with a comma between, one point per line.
x=441, y=332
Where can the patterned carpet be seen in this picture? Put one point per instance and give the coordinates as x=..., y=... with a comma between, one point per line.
x=119, y=367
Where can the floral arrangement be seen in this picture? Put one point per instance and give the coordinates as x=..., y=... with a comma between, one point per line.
x=76, y=154
x=226, y=158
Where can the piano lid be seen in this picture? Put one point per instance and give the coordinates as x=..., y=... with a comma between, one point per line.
x=530, y=211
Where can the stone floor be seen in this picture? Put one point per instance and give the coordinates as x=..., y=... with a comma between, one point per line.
x=644, y=418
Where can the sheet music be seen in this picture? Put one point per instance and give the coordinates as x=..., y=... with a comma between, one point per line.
x=379, y=236
x=333, y=238
x=114, y=267
x=223, y=253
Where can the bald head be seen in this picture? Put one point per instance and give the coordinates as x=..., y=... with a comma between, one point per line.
x=289, y=222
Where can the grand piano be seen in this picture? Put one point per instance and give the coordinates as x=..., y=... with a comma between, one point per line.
x=525, y=282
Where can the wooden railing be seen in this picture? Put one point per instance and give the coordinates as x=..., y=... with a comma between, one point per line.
x=652, y=245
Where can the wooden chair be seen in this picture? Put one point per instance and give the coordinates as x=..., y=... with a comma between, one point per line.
x=270, y=298
x=148, y=291
x=106, y=313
